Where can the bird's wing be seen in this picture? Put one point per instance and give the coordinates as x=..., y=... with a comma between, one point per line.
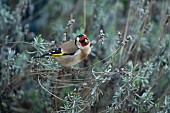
x=67, y=48
x=56, y=52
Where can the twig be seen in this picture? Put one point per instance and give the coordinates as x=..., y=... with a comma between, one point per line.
x=104, y=58
x=49, y=91
x=125, y=33
x=84, y=16
x=18, y=42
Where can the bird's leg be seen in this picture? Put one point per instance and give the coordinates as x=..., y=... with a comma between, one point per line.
x=66, y=70
x=63, y=71
x=69, y=70
x=75, y=70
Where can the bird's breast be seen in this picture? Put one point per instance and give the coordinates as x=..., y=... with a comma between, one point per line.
x=68, y=60
x=71, y=60
x=84, y=53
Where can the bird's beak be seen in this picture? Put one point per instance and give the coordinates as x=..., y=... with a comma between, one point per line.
x=86, y=40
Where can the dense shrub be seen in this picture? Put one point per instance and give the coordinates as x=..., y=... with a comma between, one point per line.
x=127, y=70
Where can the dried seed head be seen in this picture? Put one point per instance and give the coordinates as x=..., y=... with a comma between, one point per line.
x=116, y=70
x=64, y=37
x=101, y=36
x=72, y=20
x=102, y=33
x=118, y=42
x=122, y=69
x=123, y=43
x=147, y=28
x=26, y=28
x=119, y=34
x=52, y=43
x=129, y=37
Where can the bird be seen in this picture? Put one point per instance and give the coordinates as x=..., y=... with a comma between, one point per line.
x=71, y=52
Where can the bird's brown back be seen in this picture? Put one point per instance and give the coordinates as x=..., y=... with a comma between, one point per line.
x=69, y=47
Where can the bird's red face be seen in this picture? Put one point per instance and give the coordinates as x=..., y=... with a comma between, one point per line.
x=83, y=40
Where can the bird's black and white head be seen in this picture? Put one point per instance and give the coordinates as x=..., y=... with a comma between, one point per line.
x=82, y=41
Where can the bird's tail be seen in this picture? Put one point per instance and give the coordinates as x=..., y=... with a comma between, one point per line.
x=55, y=53
x=41, y=56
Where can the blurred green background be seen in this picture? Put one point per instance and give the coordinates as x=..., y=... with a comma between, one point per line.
x=127, y=70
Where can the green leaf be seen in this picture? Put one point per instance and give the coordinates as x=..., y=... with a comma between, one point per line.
x=39, y=38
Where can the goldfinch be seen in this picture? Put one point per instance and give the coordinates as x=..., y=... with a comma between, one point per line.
x=71, y=52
